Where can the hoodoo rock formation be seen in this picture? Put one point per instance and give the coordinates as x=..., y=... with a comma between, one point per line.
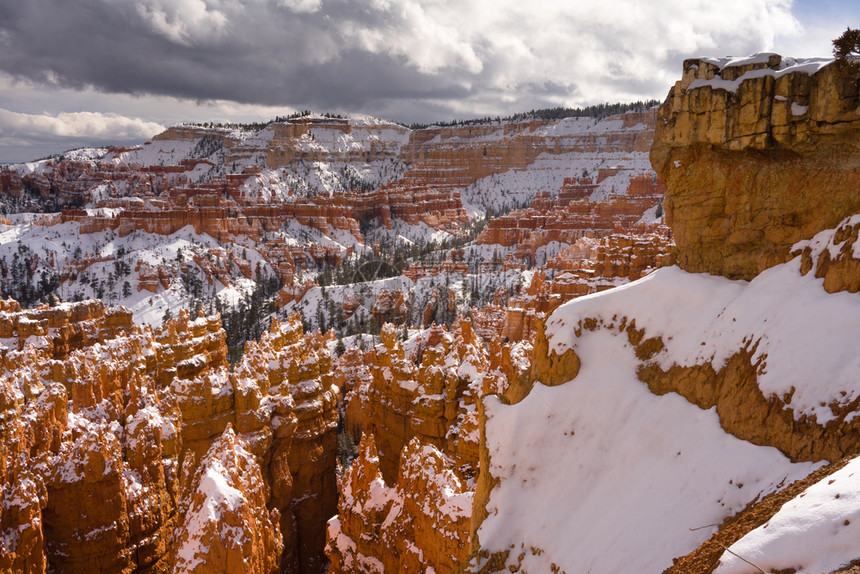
x=756, y=154
x=430, y=395
x=523, y=426
x=131, y=450
x=419, y=523
x=571, y=215
x=409, y=508
x=224, y=524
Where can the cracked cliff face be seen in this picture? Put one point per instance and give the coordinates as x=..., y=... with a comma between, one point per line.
x=756, y=154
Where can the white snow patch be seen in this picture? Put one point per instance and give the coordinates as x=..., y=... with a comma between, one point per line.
x=804, y=335
x=815, y=532
x=600, y=473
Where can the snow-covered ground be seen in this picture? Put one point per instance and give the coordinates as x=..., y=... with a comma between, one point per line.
x=517, y=187
x=600, y=474
x=36, y=245
x=815, y=532
x=803, y=333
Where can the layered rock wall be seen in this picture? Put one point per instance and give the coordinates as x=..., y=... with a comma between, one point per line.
x=457, y=156
x=571, y=215
x=756, y=154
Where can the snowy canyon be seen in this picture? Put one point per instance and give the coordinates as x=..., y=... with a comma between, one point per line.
x=345, y=345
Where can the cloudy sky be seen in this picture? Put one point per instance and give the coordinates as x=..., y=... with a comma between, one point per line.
x=99, y=72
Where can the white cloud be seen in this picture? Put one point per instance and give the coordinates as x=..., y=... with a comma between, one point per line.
x=301, y=6
x=75, y=126
x=30, y=132
x=410, y=60
x=429, y=39
x=182, y=21
x=609, y=48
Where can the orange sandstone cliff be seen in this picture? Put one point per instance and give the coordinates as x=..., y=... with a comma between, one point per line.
x=756, y=154
x=760, y=160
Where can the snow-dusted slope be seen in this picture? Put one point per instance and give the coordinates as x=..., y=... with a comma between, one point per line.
x=804, y=334
x=599, y=473
x=816, y=532
x=105, y=265
x=593, y=145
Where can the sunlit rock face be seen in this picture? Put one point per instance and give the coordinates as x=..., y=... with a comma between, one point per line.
x=224, y=524
x=121, y=443
x=409, y=507
x=756, y=154
x=428, y=392
x=419, y=522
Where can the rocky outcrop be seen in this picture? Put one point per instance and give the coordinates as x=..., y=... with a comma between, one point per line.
x=422, y=403
x=353, y=377
x=224, y=524
x=756, y=154
x=430, y=395
x=419, y=522
x=303, y=405
x=95, y=446
x=122, y=440
x=390, y=306
x=832, y=254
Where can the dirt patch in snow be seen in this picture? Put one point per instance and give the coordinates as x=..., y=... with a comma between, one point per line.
x=706, y=557
x=853, y=568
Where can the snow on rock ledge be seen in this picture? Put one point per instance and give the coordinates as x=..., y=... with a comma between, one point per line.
x=747, y=174
x=815, y=532
x=605, y=471
x=421, y=520
x=599, y=473
x=224, y=523
x=797, y=335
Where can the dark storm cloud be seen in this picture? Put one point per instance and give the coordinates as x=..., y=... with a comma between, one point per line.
x=362, y=55
x=257, y=52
